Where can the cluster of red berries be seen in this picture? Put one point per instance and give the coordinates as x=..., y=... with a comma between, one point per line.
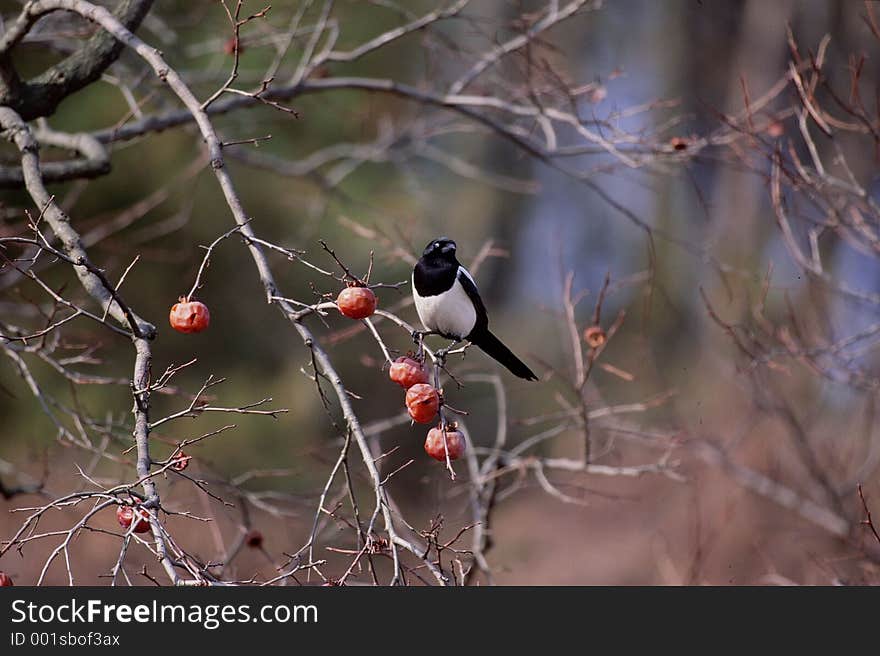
x=423, y=403
x=356, y=301
x=422, y=398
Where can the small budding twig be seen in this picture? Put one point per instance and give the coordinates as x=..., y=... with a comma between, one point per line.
x=345, y=269
x=207, y=259
x=356, y=280
x=369, y=269
x=252, y=140
x=236, y=23
x=119, y=285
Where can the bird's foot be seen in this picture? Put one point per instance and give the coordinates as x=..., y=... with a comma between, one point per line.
x=441, y=354
x=418, y=337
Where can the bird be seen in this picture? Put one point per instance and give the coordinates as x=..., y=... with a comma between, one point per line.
x=449, y=305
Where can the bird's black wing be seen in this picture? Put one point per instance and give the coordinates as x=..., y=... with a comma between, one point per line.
x=481, y=337
x=470, y=288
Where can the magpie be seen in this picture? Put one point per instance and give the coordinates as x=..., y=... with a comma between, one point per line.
x=449, y=304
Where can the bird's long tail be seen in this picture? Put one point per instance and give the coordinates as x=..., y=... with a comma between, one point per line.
x=496, y=349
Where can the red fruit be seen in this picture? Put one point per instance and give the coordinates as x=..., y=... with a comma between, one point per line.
x=253, y=539
x=679, y=143
x=434, y=447
x=5, y=580
x=125, y=515
x=180, y=461
x=595, y=337
x=189, y=316
x=776, y=129
x=407, y=372
x=356, y=302
x=232, y=45
x=422, y=402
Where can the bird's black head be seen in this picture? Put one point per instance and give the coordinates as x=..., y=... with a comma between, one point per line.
x=436, y=270
x=441, y=248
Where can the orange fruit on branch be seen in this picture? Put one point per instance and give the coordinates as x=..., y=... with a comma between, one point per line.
x=356, y=302
x=407, y=372
x=422, y=402
x=180, y=461
x=253, y=539
x=595, y=337
x=189, y=316
x=126, y=514
x=435, y=447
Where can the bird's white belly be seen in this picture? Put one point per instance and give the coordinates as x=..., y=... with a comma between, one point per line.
x=451, y=312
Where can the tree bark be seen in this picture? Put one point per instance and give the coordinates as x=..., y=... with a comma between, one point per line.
x=41, y=96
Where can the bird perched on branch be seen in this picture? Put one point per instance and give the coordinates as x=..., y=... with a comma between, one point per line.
x=449, y=305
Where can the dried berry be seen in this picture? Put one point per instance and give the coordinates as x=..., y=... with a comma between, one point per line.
x=422, y=402
x=189, y=316
x=356, y=302
x=436, y=448
x=594, y=336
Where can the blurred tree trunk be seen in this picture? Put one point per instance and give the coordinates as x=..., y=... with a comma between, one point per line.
x=758, y=56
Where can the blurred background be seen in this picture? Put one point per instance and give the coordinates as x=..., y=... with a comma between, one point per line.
x=768, y=439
